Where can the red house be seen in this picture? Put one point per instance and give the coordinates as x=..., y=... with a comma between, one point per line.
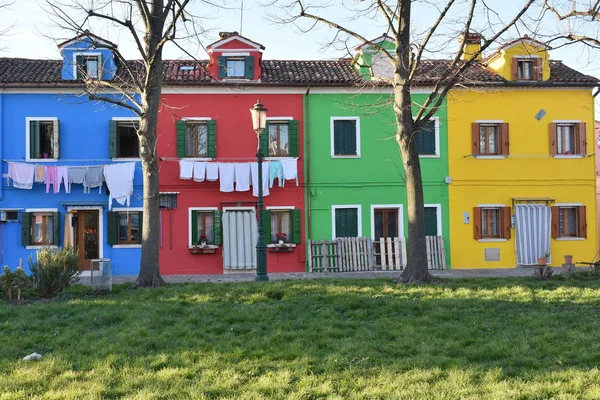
x=207, y=149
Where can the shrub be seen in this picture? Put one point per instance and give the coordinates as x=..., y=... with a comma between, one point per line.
x=6, y=281
x=54, y=270
x=20, y=281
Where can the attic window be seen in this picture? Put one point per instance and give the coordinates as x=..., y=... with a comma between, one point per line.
x=186, y=68
x=527, y=69
x=87, y=66
x=236, y=67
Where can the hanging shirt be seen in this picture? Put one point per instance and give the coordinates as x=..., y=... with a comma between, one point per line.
x=290, y=169
x=242, y=177
x=94, y=177
x=40, y=174
x=77, y=175
x=119, y=180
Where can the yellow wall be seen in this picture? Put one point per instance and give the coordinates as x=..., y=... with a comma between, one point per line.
x=529, y=171
x=502, y=64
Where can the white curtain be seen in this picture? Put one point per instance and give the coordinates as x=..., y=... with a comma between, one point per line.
x=240, y=234
x=533, y=223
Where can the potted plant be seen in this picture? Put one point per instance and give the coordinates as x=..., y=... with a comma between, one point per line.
x=544, y=260
x=569, y=259
x=281, y=238
x=203, y=240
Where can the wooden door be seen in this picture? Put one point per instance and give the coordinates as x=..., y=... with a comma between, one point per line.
x=85, y=229
x=386, y=225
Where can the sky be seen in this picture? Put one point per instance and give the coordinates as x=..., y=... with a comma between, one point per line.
x=34, y=35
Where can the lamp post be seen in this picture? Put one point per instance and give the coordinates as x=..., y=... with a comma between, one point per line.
x=259, y=117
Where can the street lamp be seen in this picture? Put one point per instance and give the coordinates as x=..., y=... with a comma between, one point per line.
x=259, y=119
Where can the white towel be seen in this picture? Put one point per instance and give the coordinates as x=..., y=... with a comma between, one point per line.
x=242, y=177
x=290, y=169
x=212, y=171
x=21, y=174
x=265, y=180
x=199, y=171
x=226, y=177
x=119, y=180
x=186, y=168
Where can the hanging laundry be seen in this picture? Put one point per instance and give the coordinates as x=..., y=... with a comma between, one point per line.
x=51, y=178
x=62, y=176
x=242, y=177
x=212, y=171
x=290, y=169
x=21, y=174
x=275, y=171
x=40, y=174
x=199, y=171
x=186, y=169
x=119, y=180
x=77, y=175
x=227, y=177
x=265, y=178
x=93, y=178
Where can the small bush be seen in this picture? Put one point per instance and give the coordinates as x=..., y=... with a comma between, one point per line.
x=6, y=282
x=54, y=270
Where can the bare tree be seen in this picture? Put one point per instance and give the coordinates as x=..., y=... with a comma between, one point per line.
x=453, y=19
x=150, y=24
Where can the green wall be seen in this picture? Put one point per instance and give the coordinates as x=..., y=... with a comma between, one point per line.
x=377, y=176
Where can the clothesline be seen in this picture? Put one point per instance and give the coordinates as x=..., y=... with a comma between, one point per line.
x=222, y=159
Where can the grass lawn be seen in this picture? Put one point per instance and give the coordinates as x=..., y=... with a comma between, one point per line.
x=338, y=339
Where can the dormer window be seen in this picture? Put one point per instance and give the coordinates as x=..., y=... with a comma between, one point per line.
x=236, y=67
x=88, y=66
x=525, y=70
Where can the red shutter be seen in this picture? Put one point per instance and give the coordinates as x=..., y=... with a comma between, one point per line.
x=581, y=138
x=506, y=219
x=538, y=71
x=553, y=146
x=475, y=138
x=477, y=223
x=555, y=222
x=515, y=66
x=504, y=142
x=581, y=221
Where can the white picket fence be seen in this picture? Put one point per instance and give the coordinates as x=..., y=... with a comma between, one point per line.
x=361, y=254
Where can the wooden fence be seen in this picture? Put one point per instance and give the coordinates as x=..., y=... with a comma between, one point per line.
x=361, y=254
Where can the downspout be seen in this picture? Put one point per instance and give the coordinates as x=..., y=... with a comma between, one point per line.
x=308, y=191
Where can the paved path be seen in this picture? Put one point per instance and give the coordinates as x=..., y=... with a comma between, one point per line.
x=249, y=276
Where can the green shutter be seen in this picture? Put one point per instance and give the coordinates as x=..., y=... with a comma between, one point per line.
x=56, y=226
x=34, y=140
x=431, y=221
x=338, y=137
x=141, y=224
x=293, y=139
x=340, y=222
x=55, y=139
x=352, y=222
x=211, y=126
x=249, y=67
x=112, y=138
x=25, y=228
x=113, y=228
x=296, y=230
x=222, y=67
x=266, y=220
x=218, y=227
x=181, y=136
x=264, y=141
x=350, y=137
x=194, y=223
x=79, y=67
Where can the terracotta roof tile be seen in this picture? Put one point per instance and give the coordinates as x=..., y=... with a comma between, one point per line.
x=309, y=72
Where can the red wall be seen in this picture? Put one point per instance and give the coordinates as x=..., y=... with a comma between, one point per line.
x=235, y=139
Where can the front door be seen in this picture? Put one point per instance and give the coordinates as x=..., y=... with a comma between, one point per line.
x=532, y=228
x=240, y=234
x=85, y=235
x=386, y=225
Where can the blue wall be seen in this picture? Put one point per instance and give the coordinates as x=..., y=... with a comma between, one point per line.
x=109, y=67
x=83, y=141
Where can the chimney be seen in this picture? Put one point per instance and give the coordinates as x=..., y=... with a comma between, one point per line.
x=225, y=35
x=472, y=45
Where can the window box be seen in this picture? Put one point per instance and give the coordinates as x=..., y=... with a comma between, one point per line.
x=281, y=248
x=204, y=249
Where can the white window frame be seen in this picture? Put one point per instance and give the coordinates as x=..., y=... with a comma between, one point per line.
x=569, y=238
x=125, y=119
x=342, y=206
x=436, y=121
x=190, y=209
x=235, y=57
x=282, y=208
x=400, y=208
x=492, y=157
x=27, y=141
x=332, y=142
x=40, y=210
x=566, y=122
x=98, y=54
x=439, y=216
x=126, y=209
x=267, y=158
x=491, y=240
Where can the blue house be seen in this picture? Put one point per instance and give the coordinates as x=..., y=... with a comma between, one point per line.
x=48, y=126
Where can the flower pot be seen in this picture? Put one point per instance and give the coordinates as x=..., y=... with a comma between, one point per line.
x=542, y=261
x=203, y=243
x=569, y=259
x=280, y=241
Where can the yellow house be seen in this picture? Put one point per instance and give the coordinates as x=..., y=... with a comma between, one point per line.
x=521, y=161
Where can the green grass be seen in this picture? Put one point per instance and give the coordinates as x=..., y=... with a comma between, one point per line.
x=338, y=339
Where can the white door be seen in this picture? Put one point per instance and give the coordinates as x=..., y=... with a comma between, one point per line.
x=240, y=234
x=532, y=228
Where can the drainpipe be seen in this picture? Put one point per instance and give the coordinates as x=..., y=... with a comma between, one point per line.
x=307, y=164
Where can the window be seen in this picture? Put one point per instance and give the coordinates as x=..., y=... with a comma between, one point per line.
x=43, y=139
x=205, y=225
x=527, y=69
x=281, y=138
x=280, y=224
x=196, y=138
x=88, y=66
x=168, y=201
x=123, y=139
x=385, y=222
x=493, y=222
x=129, y=227
x=282, y=220
x=125, y=227
x=569, y=221
x=426, y=140
x=489, y=139
x=345, y=137
x=237, y=67
x=568, y=138
x=431, y=221
x=40, y=228
x=346, y=221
